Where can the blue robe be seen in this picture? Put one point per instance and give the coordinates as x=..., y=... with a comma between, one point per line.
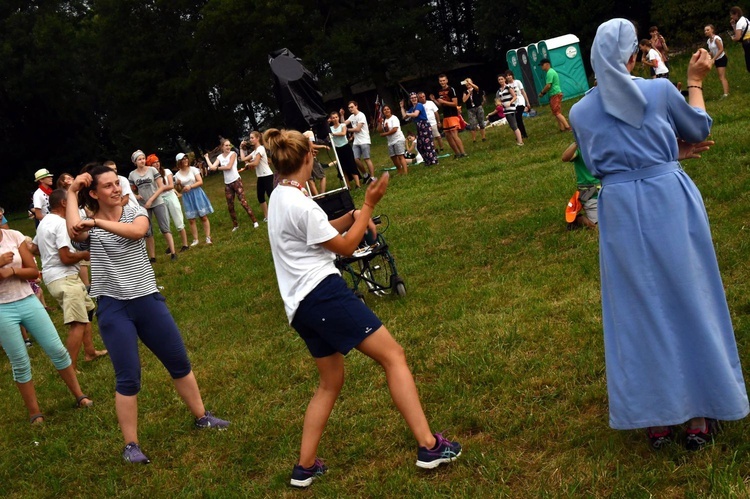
x=669, y=345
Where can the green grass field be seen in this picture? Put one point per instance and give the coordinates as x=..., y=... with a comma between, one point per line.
x=501, y=325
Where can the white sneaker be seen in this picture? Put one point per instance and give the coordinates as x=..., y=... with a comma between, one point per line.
x=194, y=243
x=255, y=225
x=208, y=240
x=265, y=220
x=235, y=228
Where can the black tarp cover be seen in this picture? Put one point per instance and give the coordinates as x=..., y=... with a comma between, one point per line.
x=297, y=94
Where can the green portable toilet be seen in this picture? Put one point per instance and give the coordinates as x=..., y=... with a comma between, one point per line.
x=564, y=54
x=542, y=49
x=511, y=57
x=537, y=74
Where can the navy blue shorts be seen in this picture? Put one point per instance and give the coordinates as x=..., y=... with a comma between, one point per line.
x=332, y=319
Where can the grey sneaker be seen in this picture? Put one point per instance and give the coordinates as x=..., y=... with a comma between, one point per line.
x=211, y=421
x=133, y=454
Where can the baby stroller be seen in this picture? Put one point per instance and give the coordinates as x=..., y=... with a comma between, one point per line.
x=372, y=267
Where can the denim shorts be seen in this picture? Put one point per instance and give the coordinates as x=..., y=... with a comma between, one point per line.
x=332, y=319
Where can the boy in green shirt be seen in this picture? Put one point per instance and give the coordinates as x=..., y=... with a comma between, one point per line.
x=588, y=189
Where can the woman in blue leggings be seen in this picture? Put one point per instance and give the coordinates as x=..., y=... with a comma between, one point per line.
x=130, y=305
x=19, y=307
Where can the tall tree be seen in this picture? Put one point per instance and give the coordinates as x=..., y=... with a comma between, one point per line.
x=682, y=22
x=46, y=96
x=377, y=42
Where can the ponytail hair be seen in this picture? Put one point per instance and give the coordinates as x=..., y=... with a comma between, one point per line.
x=287, y=149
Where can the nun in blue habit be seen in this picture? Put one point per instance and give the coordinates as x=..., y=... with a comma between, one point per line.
x=670, y=351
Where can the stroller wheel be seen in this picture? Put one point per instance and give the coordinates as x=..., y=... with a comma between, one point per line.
x=401, y=288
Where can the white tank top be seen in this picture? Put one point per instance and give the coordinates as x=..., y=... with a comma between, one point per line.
x=229, y=175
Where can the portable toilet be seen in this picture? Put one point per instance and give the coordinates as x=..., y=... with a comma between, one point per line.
x=537, y=73
x=564, y=54
x=527, y=76
x=511, y=57
x=520, y=73
x=543, y=50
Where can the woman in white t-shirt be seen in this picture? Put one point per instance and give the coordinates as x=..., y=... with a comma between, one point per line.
x=522, y=101
x=716, y=49
x=391, y=130
x=652, y=58
x=227, y=163
x=741, y=32
x=194, y=199
x=323, y=310
x=258, y=159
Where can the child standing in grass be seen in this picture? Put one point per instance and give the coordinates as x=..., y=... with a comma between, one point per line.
x=588, y=188
x=325, y=312
x=130, y=306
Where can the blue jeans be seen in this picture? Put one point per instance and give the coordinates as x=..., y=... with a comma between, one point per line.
x=122, y=322
x=29, y=313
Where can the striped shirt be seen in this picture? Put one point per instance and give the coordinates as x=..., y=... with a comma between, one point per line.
x=119, y=266
x=504, y=95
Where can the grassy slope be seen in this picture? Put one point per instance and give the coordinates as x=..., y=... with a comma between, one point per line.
x=501, y=325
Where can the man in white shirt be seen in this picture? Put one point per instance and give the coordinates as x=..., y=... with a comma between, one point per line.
x=43, y=178
x=361, y=144
x=433, y=118
x=60, y=266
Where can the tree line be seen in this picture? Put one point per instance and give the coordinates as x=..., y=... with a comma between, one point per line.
x=86, y=80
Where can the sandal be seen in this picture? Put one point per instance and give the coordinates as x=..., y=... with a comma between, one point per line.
x=80, y=401
x=34, y=418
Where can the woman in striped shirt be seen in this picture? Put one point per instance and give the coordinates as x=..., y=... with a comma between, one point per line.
x=129, y=303
x=507, y=96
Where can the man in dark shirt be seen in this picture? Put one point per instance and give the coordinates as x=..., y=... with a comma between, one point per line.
x=448, y=101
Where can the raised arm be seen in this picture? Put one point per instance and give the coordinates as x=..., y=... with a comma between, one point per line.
x=72, y=216
x=211, y=165
x=346, y=244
